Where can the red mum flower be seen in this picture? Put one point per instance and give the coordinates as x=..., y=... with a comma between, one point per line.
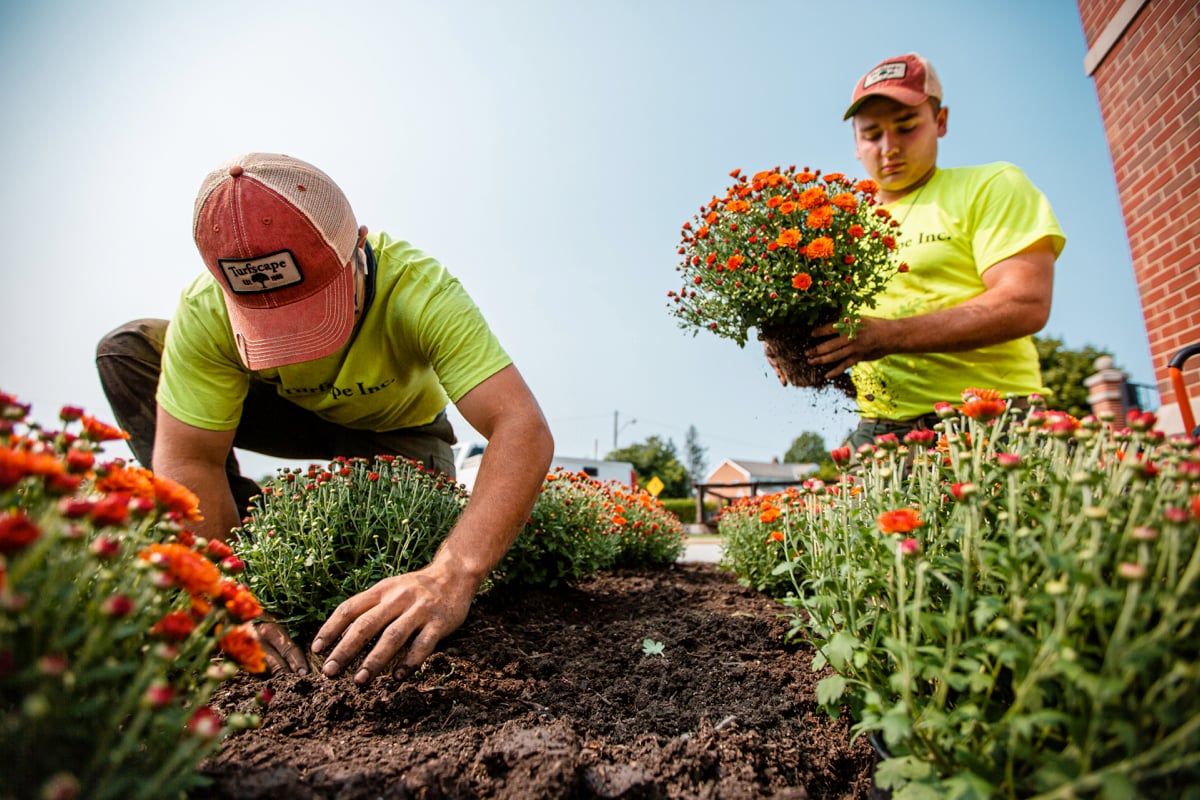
x=17, y=532
x=175, y=626
x=801, y=281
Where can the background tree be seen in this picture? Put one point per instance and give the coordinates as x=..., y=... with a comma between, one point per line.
x=1063, y=373
x=656, y=457
x=807, y=448
x=695, y=455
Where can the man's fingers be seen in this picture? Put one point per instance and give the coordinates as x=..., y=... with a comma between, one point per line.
x=281, y=653
x=419, y=649
x=343, y=617
x=391, y=641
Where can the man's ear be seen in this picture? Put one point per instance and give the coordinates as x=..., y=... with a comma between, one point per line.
x=942, y=116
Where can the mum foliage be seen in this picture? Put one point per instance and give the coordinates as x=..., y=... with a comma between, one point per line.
x=1011, y=603
x=784, y=248
x=116, y=623
x=317, y=536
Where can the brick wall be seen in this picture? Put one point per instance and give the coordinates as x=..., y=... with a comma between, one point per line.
x=1147, y=78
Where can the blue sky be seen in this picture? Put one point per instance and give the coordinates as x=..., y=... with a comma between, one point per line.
x=545, y=151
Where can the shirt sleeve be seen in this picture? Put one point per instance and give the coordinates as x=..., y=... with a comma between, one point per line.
x=1009, y=215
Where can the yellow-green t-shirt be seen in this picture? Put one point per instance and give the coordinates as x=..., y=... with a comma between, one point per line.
x=421, y=344
x=952, y=230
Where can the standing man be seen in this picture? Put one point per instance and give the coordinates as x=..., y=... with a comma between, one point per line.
x=309, y=338
x=980, y=244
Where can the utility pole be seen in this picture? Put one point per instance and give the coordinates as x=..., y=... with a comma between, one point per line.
x=617, y=429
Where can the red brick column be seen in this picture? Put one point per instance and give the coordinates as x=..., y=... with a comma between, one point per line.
x=1145, y=59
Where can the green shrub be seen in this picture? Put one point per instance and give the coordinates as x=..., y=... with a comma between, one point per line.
x=648, y=534
x=684, y=508
x=568, y=535
x=1014, y=608
x=316, y=537
x=751, y=541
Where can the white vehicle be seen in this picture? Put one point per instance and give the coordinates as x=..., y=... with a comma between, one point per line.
x=467, y=458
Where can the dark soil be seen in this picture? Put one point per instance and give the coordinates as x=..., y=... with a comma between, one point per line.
x=548, y=694
x=786, y=345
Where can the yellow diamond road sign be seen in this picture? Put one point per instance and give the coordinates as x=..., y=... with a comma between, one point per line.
x=654, y=486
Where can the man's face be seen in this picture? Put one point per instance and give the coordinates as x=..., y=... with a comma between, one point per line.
x=897, y=144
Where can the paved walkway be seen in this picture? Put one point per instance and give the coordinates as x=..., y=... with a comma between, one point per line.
x=702, y=548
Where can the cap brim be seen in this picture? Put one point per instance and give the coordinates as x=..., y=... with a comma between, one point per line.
x=909, y=97
x=305, y=330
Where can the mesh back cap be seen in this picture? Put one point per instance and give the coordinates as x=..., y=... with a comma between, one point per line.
x=279, y=236
x=907, y=79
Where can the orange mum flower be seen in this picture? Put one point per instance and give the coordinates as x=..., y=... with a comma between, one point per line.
x=788, y=207
x=801, y=281
x=192, y=571
x=734, y=262
x=811, y=198
x=243, y=605
x=867, y=186
x=983, y=410
x=240, y=645
x=821, y=247
x=776, y=536
x=738, y=206
x=789, y=237
x=902, y=520
x=132, y=481
x=769, y=514
x=100, y=432
x=846, y=202
x=979, y=394
x=176, y=497
x=856, y=231
x=820, y=217
x=774, y=202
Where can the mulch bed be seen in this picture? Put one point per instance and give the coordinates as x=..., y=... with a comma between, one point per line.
x=546, y=693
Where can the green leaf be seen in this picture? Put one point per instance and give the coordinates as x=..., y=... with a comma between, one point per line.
x=1117, y=786
x=840, y=649
x=652, y=648
x=893, y=773
x=897, y=725
x=830, y=689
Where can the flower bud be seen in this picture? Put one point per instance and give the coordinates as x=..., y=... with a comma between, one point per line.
x=205, y=723
x=963, y=491
x=1131, y=571
x=159, y=694
x=116, y=606
x=61, y=786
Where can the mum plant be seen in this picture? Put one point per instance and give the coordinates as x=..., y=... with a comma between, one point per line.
x=116, y=623
x=782, y=252
x=1011, y=604
x=319, y=535
x=580, y=525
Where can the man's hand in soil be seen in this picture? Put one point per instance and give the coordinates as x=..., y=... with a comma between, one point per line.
x=416, y=609
x=282, y=654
